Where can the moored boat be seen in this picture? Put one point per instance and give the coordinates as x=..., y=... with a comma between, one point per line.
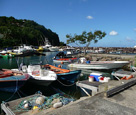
x=41, y=76
x=64, y=74
x=81, y=64
x=65, y=60
x=11, y=81
x=62, y=57
x=6, y=55
x=38, y=75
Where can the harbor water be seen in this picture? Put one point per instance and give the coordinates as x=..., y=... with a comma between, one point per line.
x=30, y=89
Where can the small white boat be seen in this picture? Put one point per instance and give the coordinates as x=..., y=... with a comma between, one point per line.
x=38, y=75
x=41, y=76
x=81, y=64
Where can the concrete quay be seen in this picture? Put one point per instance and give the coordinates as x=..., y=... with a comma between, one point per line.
x=123, y=103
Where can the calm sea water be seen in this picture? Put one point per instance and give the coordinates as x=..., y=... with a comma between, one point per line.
x=30, y=89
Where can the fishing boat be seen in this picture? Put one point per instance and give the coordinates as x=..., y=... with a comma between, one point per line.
x=64, y=74
x=37, y=74
x=62, y=57
x=81, y=64
x=41, y=76
x=26, y=53
x=65, y=60
x=11, y=81
x=6, y=55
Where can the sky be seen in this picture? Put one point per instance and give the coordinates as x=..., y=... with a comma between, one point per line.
x=115, y=17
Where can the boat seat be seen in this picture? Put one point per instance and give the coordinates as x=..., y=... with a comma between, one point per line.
x=34, y=69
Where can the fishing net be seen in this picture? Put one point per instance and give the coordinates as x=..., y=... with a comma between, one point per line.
x=30, y=103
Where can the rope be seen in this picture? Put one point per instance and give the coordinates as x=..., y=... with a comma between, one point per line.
x=22, y=92
x=65, y=84
x=14, y=91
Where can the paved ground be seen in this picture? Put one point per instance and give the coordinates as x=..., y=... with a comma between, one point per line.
x=123, y=103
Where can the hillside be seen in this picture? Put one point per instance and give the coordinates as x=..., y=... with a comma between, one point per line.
x=14, y=32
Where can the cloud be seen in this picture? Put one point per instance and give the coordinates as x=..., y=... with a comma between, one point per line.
x=89, y=17
x=128, y=39
x=135, y=29
x=113, y=33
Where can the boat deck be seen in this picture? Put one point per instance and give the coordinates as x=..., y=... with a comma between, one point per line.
x=122, y=73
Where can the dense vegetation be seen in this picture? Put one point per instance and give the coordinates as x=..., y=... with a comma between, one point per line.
x=14, y=32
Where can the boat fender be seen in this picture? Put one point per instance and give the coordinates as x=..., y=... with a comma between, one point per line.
x=40, y=100
x=57, y=105
x=26, y=104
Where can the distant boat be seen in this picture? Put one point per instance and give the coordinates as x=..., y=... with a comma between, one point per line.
x=81, y=64
x=62, y=57
x=65, y=60
x=23, y=48
x=6, y=55
x=49, y=47
x=11, y=81
x=26, y=53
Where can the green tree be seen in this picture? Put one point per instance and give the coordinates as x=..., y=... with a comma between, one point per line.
x=62, y=44
x=15, y=32
x=85, y=38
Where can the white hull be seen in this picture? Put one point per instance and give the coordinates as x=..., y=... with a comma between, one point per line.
x=59, y=61
x=39, y=76
x=100, y=65
x=53, y=49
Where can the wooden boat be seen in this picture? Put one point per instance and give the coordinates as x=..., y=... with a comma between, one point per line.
x=64, y=74
x=81, y=64
x=11, y=81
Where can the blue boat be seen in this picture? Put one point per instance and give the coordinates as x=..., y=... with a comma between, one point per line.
x=71, y=76
x=11, y=81
x=64, y=74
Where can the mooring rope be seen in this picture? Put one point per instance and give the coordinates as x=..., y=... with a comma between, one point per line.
x=66, y=84
x=14, y=91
